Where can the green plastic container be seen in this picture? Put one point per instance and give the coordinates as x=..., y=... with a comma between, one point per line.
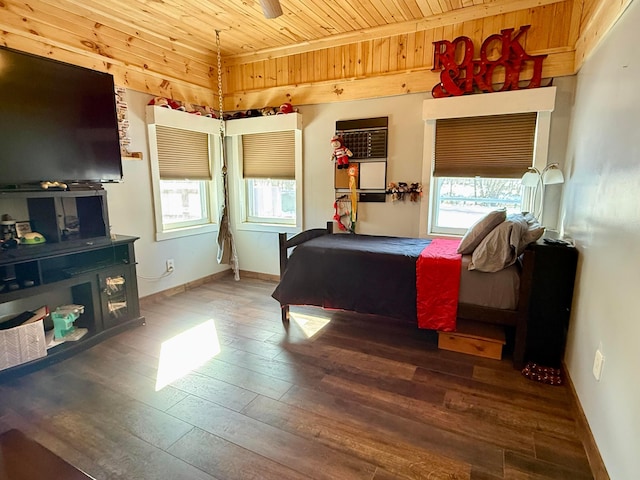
x=63, y=318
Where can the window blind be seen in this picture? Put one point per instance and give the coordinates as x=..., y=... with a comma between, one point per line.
x=494, y=146
x=269, y=155
x=182, y=154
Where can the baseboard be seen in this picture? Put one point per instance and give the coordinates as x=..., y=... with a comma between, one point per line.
x=159, y=296
x=260, y=276
x=598, y=469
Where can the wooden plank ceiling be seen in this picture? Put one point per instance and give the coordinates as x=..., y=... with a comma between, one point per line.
x=314, y=52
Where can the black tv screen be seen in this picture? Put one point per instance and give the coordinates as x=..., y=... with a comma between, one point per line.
x=58, y=122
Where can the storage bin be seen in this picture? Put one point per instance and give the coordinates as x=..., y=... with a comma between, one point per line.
x=22, y=344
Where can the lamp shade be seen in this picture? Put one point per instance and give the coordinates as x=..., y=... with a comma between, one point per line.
x=271, y=8
x=531, y=178
x=552, y=175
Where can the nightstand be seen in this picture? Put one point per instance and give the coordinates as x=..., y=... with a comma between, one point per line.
x=554, y=273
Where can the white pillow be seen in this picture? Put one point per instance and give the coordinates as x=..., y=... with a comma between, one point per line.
x=534, y=231
x=479, y=230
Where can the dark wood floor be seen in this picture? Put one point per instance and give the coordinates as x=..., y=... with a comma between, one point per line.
x=363, y=398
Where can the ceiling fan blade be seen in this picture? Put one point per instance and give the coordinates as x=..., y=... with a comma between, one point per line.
x=271, y=8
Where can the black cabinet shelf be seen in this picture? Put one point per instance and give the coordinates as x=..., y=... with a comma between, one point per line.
x=40, y=289
x=550, y=302
x=97, y=271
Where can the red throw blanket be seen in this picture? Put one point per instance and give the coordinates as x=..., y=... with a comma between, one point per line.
x=438, y=285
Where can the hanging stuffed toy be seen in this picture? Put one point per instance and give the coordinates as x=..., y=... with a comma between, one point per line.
x=341, y=153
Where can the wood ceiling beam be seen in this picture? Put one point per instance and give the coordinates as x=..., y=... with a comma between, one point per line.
x=559, y=63
x=498, y=7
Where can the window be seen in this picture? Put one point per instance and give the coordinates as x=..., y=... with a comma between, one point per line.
x=271, y=201
x=269, y=170
x=477, y=147
x=477, y=167
x=182, y=150
x=183, y=203
x=267, y=173
x=460, y=201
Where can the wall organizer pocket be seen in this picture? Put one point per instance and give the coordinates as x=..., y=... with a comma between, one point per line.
x=367, y=140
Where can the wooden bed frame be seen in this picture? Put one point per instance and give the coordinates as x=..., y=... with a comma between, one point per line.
x=517, y=318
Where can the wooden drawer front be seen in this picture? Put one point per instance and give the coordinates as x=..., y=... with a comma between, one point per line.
x=474, y=339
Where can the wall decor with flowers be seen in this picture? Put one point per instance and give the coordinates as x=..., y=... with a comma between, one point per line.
x=403, y=190
x=123, y=125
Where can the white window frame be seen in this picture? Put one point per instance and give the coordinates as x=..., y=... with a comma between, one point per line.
x=178, y=119
x=238, y=192
x=540, y=100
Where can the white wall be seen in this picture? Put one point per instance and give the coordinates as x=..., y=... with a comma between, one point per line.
x=404, y=161
x=258, y=252
x=131, y=206
x=560, y=124
x=602, y=212
x=131, y=213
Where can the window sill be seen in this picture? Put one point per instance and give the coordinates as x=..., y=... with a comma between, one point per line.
x=447, y=232
x=269, y=227
x=186, y=231
x=452, y=236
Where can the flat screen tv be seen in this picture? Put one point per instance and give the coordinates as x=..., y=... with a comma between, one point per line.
x=58, y=122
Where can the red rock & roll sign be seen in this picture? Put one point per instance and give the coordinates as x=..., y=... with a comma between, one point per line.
x=460, y=77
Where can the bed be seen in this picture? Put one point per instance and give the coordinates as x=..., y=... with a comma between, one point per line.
x=377, y=275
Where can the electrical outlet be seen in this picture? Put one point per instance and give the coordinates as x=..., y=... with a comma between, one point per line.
x=170, y=265
x=598, y=363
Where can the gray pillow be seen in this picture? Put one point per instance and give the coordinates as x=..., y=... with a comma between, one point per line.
x=476, y=232
x=502, y=246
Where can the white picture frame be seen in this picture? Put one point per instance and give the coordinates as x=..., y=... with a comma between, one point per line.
x=22, y=228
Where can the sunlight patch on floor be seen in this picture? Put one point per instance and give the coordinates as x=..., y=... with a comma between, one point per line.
x=185, y=352
x=310, y=324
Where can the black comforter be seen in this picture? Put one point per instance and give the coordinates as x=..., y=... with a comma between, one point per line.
x=361, y=273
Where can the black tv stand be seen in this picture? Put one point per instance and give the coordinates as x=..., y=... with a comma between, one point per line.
x=90, y=268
